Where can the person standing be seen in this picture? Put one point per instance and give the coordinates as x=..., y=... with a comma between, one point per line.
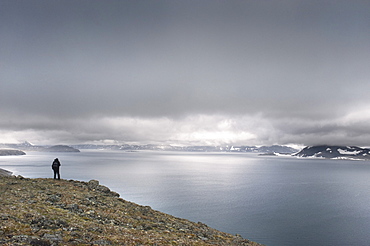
x=55, y=166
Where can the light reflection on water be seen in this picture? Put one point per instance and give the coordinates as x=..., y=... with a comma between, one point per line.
x=272, y=200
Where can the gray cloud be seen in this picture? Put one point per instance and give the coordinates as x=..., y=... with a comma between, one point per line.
x=280, y=72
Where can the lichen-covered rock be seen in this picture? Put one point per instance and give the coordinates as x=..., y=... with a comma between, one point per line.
x=102, y=242
x=103, y=189
x=92, y=184
x=53, y=238
x=39, y=242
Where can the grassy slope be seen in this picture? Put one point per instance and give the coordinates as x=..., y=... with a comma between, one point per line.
x=61, y=212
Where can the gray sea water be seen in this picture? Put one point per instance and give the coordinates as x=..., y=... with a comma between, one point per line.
x=277, y=201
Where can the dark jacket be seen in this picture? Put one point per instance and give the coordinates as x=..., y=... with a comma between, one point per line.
x=56, y=164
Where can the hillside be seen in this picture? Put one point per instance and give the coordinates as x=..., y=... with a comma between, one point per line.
x=68, y=212
x=335, y=152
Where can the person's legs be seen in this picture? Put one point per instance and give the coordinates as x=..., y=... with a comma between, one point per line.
x=55, y=174
x=58, y=174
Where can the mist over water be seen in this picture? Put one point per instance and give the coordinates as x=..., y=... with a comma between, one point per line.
x=278, y=201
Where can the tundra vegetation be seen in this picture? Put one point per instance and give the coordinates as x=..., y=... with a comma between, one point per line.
x=68, y=212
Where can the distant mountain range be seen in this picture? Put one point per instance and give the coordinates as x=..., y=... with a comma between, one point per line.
x=26, y=146
x=263, y=149
x=335, y=152
x=319, y=151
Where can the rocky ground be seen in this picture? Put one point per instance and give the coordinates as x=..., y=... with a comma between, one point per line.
x=50, y=212
x=4, y=173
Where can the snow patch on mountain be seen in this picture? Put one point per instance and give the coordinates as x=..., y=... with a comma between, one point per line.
x=349, y=151
x=335, y=152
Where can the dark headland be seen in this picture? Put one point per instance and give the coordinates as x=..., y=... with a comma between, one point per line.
x=5, y=152
x=69, y=212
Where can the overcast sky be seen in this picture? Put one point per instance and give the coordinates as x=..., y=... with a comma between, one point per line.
x=185, y=72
